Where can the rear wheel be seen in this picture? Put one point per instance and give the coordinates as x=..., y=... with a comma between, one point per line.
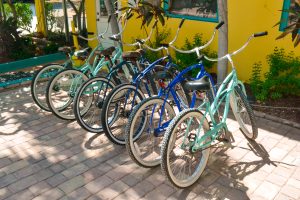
x=40, y=82
x=243, y=113
x=62, y=90
x=145, y=128
x=180, y=164
x=88, y=103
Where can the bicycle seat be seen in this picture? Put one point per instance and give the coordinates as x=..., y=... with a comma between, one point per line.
x=66, y=49
x=83, y=52
x=131, y=55
x=106, y=52
x=163, y=75
x=201, y=84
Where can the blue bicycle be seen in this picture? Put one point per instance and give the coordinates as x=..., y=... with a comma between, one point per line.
x=151, y=117
x=120, y=101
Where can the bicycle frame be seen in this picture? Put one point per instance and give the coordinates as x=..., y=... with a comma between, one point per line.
x=165, y=92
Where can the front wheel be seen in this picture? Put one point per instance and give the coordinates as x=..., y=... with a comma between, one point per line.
x=116, y=110
x=243, y=113
x=62, y=90
x=145, y=128
x=181, y=165
x=40, y=81
x=88, y=103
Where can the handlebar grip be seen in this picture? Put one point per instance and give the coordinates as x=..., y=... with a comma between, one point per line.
x=164, y=45
x=220, y=25
x=140, y=41
x=109, y=18
x=155, y=23
x=90, y=33
x=260, y=34
x=181, y=23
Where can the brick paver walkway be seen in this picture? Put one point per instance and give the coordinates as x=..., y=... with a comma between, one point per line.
x=42, y=157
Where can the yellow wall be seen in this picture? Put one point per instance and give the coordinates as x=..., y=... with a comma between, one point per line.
x=244, y=18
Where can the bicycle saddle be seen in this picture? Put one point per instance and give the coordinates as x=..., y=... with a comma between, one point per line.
x=66, y=49
x=131, y=55
x=83, y=52
x=201, y=84
x=106, y=52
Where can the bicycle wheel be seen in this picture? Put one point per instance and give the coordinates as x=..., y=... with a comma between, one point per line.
x=116, y=109
x=146, y=125
x=181, y=166
x=243, y=113
x=62, y=90
x=40, y=81
x=88, y=103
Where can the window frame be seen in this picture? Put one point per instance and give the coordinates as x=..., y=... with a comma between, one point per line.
x=204, y=19
x=284, y=20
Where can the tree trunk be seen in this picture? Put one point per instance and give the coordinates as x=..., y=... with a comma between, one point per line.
x=13, y=9
x=222, y=40
x=111, y=11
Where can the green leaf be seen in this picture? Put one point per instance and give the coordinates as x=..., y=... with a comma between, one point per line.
x=161, y=19
x=297, y=41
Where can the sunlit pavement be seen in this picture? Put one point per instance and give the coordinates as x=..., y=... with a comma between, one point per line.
x=43, y=157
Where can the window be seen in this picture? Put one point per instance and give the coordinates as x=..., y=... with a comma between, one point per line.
x=202, y=10
x=286, y=18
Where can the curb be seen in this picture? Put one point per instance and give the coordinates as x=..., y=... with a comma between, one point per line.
x=276, y=119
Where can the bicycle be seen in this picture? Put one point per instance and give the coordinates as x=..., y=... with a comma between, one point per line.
x=150, y=118
x=63, y=86
x=97, y=88
x=120, y=101
x=188, y=138
x=43, y=75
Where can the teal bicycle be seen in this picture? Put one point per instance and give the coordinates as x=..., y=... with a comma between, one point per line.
x=186, y=144
x=43, y=76
x=63, y=86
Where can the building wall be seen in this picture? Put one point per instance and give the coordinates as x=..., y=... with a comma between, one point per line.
x=244, y=18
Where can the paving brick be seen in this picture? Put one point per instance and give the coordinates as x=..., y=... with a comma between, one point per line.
x=183, y=194
x=283, y=197
x=6, y=180
x=39, y=188
x=98, y=184
x=43, y=174
x=277, y=179
x=113, y=190
x=52, y=194
x=22, y=184
x=25, y=194
x=56, y=180
x=4, y=193
x=272, y=190
x=72, y=184
x=142, y=188
x=291, y=191
x=56, y=168
x=14, y=166
x=79, y=194
x=75, y=170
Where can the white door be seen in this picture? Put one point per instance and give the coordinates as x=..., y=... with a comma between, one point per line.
x=102, y=17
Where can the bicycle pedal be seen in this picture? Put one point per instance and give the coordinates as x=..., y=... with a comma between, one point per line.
x=225, y=140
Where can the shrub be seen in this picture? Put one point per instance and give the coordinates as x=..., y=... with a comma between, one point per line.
x=283, y=78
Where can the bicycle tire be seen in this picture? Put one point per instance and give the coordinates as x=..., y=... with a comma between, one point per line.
x=37, y=78
x=240, y=96
x=66, y=110
x=133, y=137
x=107, y=121
x=90, y=121
x=168, y=141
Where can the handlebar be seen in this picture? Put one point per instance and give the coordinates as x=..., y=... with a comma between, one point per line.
x=220, y=25
x=260, y=34
x=228, y=56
